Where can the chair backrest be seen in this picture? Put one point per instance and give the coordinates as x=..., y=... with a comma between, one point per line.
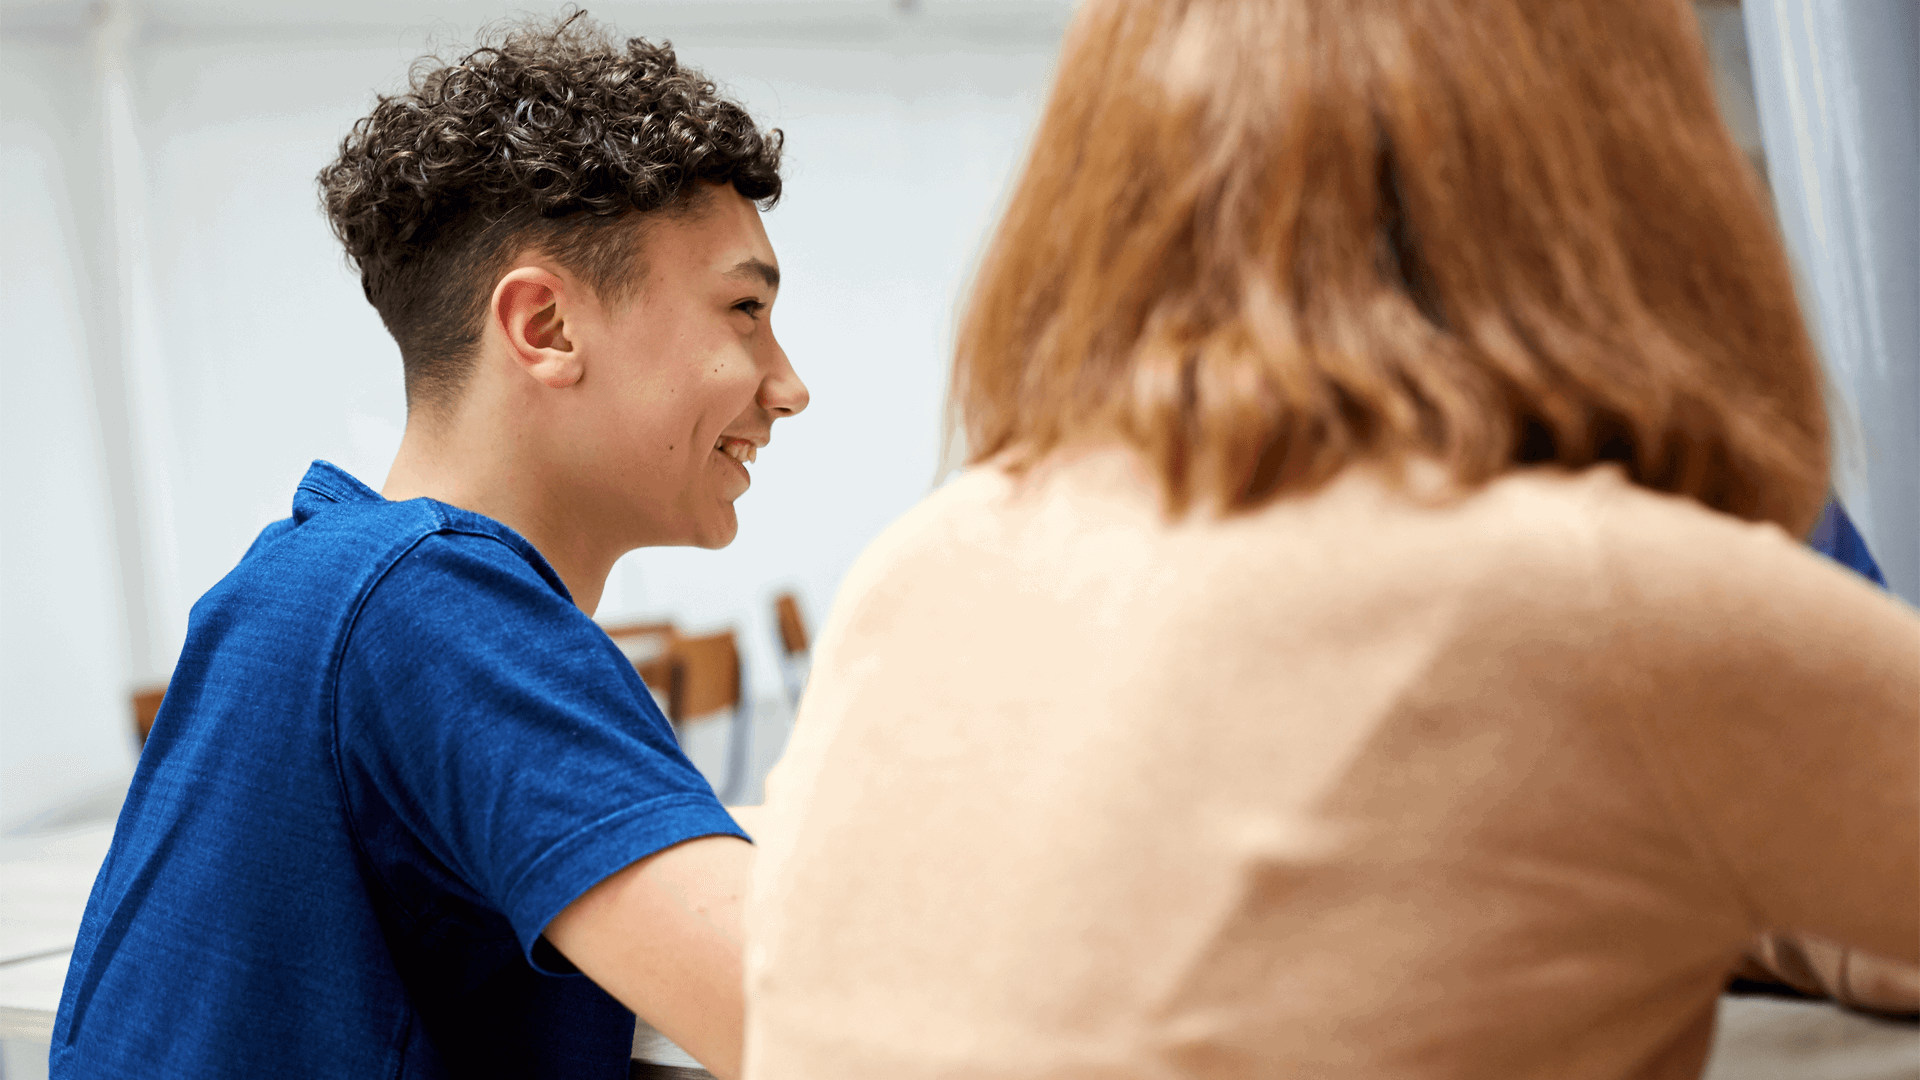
x=648, y=646
x=706, y=676
x=793, y=629
x=694, y=676
x=657, y=673
x=146, y=706
x=642, y=641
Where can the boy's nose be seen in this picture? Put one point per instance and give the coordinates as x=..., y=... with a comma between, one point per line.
x=781, y=392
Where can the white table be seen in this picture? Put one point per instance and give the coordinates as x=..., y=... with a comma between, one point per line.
x=44, y=881
x=655, y=1057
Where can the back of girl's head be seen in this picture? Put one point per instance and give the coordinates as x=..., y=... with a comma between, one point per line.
x=1263, y=239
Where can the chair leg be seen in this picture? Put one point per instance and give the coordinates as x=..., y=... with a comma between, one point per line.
x=793, y=673
x=738, y=740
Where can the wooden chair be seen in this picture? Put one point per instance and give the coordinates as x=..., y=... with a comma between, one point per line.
x=146, y=706
x=706, y=676
x=642, y=641
x=648, y=646
x=691, y=678
x=706, y=679
x=795, y=646
x=793, y=629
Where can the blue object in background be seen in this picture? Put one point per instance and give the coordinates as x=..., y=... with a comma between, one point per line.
x=1837, y=539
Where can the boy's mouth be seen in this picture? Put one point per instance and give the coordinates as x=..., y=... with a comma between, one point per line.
x=739, y=450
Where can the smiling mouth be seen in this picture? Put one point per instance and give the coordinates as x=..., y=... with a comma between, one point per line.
x=739, y=450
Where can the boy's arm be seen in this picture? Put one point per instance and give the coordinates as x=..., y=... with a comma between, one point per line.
x=663, y=936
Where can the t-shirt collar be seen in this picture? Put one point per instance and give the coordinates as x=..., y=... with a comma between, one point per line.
x=326, y=483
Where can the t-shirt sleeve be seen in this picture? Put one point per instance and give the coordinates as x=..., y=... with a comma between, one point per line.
x=1778, y=695
x=490, y=719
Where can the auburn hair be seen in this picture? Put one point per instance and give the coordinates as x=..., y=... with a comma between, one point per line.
x=1262, y=239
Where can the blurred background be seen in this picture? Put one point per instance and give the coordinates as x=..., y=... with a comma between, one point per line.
x=182, y=334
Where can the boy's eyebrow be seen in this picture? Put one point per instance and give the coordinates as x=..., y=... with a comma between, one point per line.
x=749, y=268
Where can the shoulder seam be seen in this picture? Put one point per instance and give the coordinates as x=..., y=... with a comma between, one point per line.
x=446, y=528
x=333, y=714
x=541, y=567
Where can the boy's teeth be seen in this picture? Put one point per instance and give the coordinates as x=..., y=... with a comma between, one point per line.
x=739, y=450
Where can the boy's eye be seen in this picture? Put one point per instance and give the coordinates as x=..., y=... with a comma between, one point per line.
x=752, y=307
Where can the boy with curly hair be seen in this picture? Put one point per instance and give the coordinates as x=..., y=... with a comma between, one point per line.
x=403, y=791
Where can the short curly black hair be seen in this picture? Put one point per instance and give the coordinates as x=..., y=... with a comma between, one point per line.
x=551, y=138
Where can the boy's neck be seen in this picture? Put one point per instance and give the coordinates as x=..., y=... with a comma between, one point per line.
x=440, y=460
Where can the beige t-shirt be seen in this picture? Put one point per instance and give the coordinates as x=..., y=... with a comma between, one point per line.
x=1351, y=786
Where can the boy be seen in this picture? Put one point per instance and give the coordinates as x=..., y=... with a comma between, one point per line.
x=401, y=782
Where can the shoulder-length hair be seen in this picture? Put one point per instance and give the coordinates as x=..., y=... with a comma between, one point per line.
x=1263, y=239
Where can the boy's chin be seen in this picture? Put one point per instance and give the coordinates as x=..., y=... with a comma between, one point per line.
x=714, y=530
x=719, y=532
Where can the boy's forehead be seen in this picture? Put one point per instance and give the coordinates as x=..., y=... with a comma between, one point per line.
x=722, y=236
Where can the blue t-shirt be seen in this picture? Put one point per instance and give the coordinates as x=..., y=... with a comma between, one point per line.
x=1835, y=537
x=392, y=751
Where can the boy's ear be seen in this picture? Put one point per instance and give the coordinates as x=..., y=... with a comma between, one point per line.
x=530, y=309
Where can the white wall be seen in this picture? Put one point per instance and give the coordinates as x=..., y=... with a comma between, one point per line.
x=63, y=666
x=259, y=352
